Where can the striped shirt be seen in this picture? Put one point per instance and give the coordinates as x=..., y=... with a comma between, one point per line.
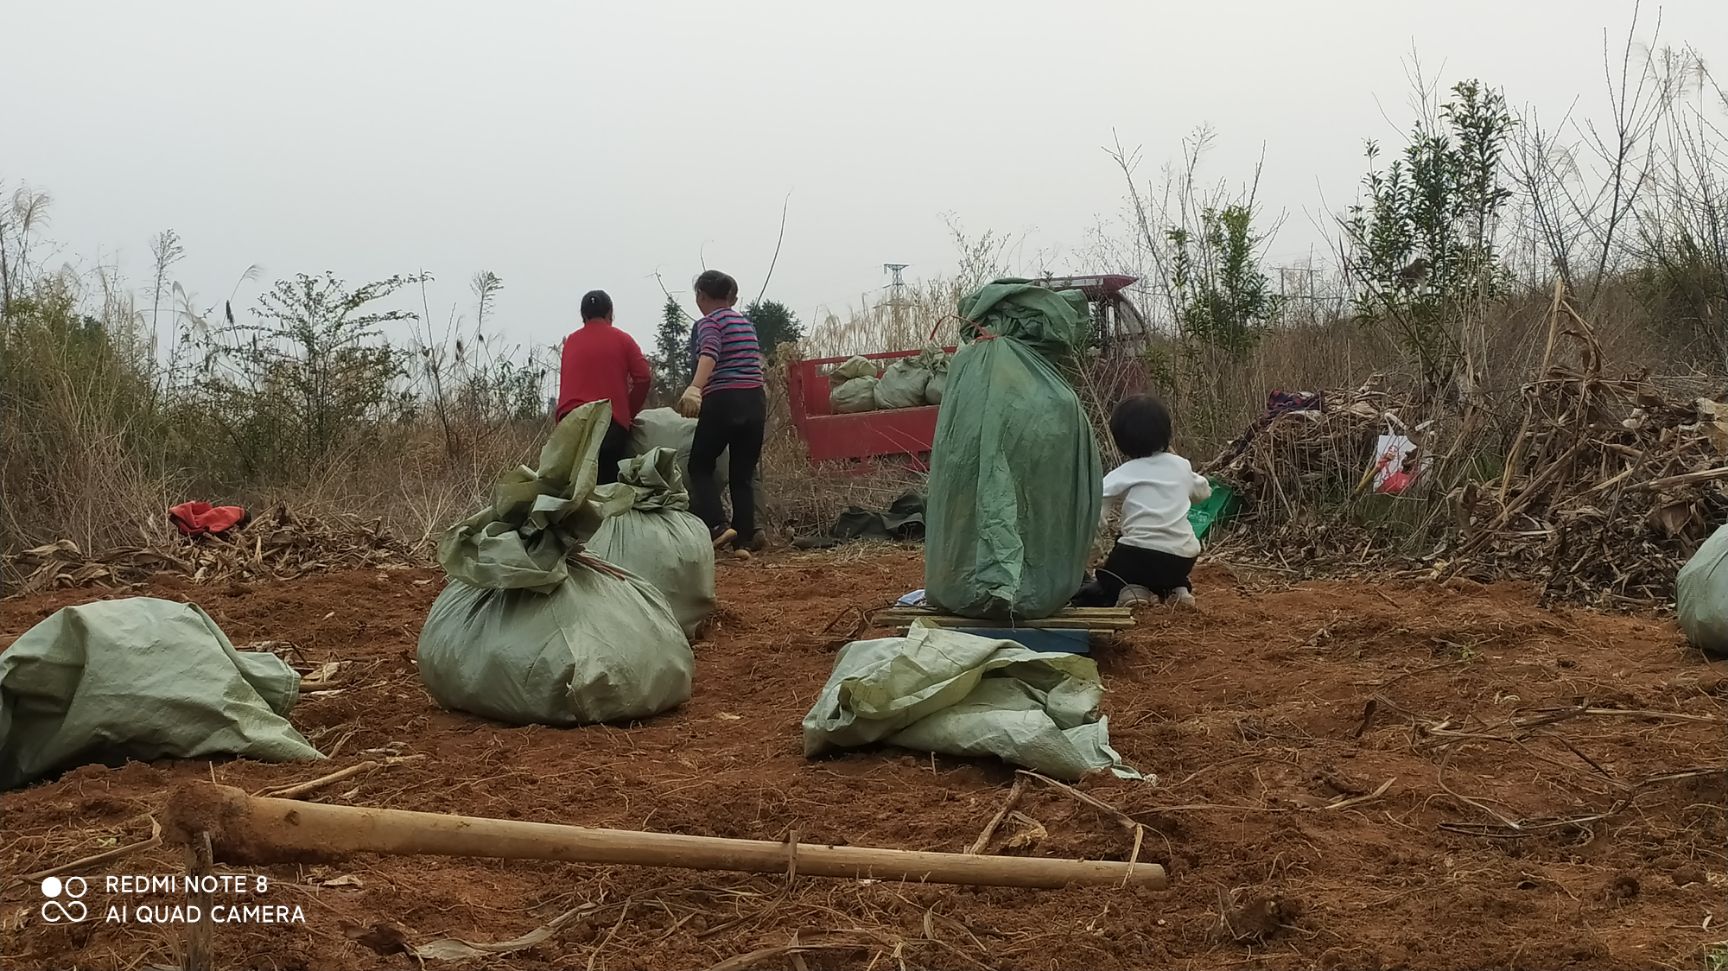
x=729, y=338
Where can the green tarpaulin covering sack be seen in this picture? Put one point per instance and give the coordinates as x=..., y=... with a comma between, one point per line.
x=139, y=678
x=534, y=630
x=1015, y=483
x=942, y=691
x=1701, y=596
x=658, y=539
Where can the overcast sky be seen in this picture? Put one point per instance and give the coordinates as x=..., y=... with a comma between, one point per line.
x=567, y=145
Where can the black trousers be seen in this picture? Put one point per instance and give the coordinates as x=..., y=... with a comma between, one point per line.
x=1160, y=572
x=733, y=422
x=614, y=448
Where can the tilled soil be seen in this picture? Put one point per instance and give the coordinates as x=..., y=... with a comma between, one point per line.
x=1349, y=776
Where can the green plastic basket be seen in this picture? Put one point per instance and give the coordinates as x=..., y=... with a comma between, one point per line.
x=1217, y=508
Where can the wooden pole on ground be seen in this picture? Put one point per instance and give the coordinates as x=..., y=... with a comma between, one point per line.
x=253, y=829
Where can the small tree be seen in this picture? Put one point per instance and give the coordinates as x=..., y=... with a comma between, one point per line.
x=1422, y=244
x=1222, y=296
x=671, y=350
x=775, y=324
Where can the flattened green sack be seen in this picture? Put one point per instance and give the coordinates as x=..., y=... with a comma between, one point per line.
x=1015, y=481
x=1701, y=596
x=534, y=630
x=658, y=539
x=139, y=678
x=944, y=691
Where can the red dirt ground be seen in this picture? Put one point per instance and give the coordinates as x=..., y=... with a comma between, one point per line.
x=1251, y=712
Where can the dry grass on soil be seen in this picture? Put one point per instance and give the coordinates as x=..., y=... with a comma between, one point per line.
x=1351, y=775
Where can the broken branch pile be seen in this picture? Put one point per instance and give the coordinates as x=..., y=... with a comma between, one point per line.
x=1302, y=471
x=1608, y=487
x=1309, y=451
x=279, y=545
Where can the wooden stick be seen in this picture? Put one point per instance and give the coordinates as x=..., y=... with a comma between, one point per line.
x=1359, y=800
x=104, y=856
x=744, y=961
x=1126, y=821
x=894, y=619
x=255, y=829
x=1008, y=805
x=290, y=792
x=1556, y=714
x=1684, y=479
x=1114, y=612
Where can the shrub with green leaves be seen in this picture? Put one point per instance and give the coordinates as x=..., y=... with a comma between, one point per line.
x=311, y=377
x=1423, y=242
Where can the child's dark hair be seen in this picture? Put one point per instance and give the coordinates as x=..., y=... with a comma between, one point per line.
x=1141, y=426
x=716, y=285
x=596, y=305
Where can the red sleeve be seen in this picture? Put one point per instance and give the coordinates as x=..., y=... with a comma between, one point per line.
x=566, y=374
x=640, y=377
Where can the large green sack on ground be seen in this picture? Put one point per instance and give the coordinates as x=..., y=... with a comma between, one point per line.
x=658, y=539
x=942, y=691
x=533, y=629
x=902, y=384
x=1701, y=597
x=1015, y=482
x=666, y=428
x=139, y=678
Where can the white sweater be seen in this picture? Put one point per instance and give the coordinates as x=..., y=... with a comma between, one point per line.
x=1156, y=493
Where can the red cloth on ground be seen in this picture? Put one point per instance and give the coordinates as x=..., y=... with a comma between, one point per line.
x=602, y=362
x=198, y=518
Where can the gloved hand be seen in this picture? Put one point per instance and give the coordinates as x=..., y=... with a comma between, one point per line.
x=690, y=402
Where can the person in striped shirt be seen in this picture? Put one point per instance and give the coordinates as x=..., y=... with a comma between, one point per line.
x=731, y=411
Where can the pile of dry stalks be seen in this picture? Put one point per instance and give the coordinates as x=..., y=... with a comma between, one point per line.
x=279, y=545
x=1609, y=485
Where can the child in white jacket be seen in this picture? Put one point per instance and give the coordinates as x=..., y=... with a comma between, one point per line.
x=1157, y=548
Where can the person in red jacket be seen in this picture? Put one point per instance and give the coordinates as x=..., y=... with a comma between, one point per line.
x=601, y=362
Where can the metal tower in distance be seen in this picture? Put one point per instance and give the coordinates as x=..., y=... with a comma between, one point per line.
x=897, y=288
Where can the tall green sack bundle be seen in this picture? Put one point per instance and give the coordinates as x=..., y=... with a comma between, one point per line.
x=658, y=539
x=1015, y=482
x=1701, y=596
x=532, y=629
